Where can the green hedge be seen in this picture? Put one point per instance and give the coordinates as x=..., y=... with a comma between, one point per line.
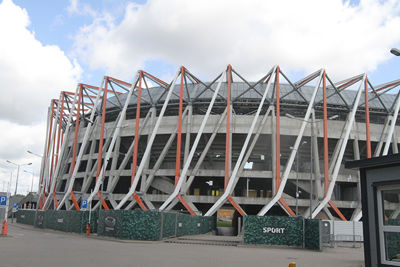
x=282, y=231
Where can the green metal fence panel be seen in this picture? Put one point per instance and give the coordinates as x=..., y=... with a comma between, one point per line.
x=312, y=234
x=26, y=216
x=124, y=224
x=141, y=225
x=40, y=220
x=187, y=225
x=169, y=221
x=56, y=220
x=273, y=230
x=73, y=220
x=194, y=225
x=130, y=224
x=109, y=223
x=94, y=216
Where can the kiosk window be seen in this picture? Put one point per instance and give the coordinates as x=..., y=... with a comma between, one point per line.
x=388, y=198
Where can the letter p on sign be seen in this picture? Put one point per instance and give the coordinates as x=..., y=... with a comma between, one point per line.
x=3, y=200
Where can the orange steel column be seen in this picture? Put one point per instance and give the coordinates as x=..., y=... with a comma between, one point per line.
x=42, y=180
x=326, y=159
x=101, y=141
x=75, y=146
x=179, y=135
x=228, y=140
x=61, y=116
x=228, y=125
x=179, y=143
x=278, y=145
x=367, y=131
x=136, y=141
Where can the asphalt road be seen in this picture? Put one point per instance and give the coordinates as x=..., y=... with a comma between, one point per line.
x=26, y=246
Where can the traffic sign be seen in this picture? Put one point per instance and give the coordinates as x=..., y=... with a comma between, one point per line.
x=15, y=207
x=83, y=204
x=3, y=200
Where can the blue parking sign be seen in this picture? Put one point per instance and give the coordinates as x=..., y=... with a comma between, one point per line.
x=83, y=204
x=3, y=200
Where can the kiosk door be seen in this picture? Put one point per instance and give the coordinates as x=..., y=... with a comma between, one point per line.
x=388, y=207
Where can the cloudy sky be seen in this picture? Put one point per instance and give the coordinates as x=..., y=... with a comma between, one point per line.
x=49, y=46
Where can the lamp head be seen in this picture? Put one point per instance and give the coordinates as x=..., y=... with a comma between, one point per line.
x=395, y=51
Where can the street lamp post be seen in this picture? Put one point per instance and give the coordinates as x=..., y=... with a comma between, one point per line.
x=40, y=156
x=37, y=155
x=33, y=176
x=18, y=165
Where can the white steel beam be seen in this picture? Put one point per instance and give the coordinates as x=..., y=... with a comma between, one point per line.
x=285, y=176
x=162, y=155
x=350, y=124
x=81, y=151
x=114, y=139
x=234, y=177
x=204, y=152
x=63, y=146
x=113, y=182
x=146, y=154
x=193, y=149
x=381, y=139
x=392, y=125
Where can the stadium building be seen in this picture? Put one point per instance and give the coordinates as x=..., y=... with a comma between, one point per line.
x=270, y=147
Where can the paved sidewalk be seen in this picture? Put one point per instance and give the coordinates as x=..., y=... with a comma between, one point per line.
x=26, y=246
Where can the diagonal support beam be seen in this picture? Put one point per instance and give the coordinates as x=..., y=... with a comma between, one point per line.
x=193, y=149
x=350, y=124
x=234, y=177
x=81, y=150
x=146, y=154
x=113, y=140
x=285, y=176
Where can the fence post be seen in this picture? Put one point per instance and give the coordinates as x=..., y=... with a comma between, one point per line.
x=354, y=235
x=176, y=224
x=333, y=234
x=161, y=225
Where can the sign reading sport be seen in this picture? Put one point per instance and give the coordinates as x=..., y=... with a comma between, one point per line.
x=274, y=230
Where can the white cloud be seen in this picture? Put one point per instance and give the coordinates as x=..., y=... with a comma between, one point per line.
x=30, y=73
x=75, y=7
x=251, y=35
x=16, y=139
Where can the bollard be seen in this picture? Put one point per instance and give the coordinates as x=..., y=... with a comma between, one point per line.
x=4, y=228
x=87, y=229
x=292, y=264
